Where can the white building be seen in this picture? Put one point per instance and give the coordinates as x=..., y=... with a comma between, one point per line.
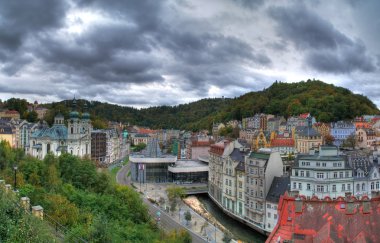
x=323, y=173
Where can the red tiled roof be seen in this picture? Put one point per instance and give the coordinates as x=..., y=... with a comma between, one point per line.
x=327, y=220
x=145, y=131
x=11, y=112
x=304, y=115
x=282, y=142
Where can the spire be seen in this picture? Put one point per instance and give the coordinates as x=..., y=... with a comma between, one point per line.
x=74, y=113
x=85, y=114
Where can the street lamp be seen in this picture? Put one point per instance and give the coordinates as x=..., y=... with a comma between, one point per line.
x=15, y=181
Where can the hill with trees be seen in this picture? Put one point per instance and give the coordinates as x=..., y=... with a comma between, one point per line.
x=74, y=194
x=324, y=101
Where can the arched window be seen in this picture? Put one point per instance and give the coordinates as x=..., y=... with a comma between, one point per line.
x=363, y=187
x=377, y=185
x=357, y=187
x=372, y=186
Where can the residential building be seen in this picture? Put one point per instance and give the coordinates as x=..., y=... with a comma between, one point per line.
x=218, y=153
x=10, y=114
x=140, y=138
x=323, y=173
x=307, y=138
x=235, y=155
x=6, y=134
x=366, y=138
x=341, y=130
x=260, y=169
x=278, y=188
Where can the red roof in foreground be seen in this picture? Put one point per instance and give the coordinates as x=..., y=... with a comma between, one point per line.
x=340, y=220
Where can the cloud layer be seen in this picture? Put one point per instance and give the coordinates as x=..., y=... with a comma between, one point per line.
x=145, y=53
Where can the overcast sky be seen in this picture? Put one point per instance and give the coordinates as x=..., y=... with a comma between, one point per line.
x=144, y=53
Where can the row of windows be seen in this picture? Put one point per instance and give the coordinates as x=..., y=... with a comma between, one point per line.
x=323, y=175
x=270, y=215
x=321, y=188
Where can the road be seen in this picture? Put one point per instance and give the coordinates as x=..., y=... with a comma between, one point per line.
x=166, y=222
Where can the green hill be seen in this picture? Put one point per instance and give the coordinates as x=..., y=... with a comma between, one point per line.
x=324, y=101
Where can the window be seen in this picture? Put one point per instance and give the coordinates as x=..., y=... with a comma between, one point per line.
x=320, y=175
x=300, y=186
x=269, y=215
x=226, y=182
x=335, y=174
x=363, y=187
x=275, y=216
x=268, y=206
x=240, y=184
x=324, y=164
x=347, y=174
x=240, y=195
x=308, y=187
x=295, y=185
x=302, y=173
x=320, y=188
x=334, y=188
x=343, y=187
x=341, y=174
x=377, y=185
x=307, y=174
x=261, y=182
x=357, y=187
x=318, y=164
x=349, y=187
x=372, y=186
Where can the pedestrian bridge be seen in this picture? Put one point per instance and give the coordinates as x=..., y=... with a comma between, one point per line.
x=196, y=190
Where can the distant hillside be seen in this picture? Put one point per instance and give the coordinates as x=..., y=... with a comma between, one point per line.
x=324, y=101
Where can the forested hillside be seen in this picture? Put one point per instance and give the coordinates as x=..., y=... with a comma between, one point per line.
x=324, y=101
x=73, y=193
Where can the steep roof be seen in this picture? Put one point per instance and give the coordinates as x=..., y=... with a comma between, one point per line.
x=56, y=132
x=314, y=220
x=237, y=155
x=278, y=188
x=306, y=131
x=362, y=163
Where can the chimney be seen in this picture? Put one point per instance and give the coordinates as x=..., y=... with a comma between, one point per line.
x=299, y=205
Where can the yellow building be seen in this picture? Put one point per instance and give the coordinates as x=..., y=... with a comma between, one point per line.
x=6, y=134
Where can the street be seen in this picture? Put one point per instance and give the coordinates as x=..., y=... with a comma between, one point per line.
x=166, y=222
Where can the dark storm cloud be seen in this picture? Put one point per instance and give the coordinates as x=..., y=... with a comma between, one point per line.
x=348, y=59
x=326, y=48
x=20, y=18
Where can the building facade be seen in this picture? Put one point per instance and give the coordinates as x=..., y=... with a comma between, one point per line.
x=323, y=173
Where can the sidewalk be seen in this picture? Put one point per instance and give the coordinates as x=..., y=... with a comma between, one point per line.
x=198, y=224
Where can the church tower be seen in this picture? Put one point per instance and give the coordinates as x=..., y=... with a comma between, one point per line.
x=73, y=124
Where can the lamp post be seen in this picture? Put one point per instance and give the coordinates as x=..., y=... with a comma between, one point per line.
x=15, y=179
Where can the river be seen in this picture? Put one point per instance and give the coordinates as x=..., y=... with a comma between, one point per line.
x=239, y=230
